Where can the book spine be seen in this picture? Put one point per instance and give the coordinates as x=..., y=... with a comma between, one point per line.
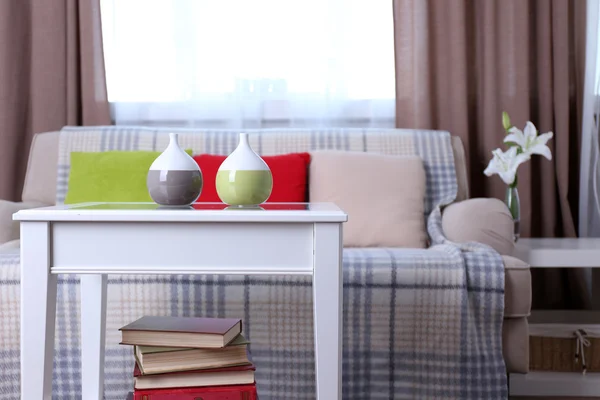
x=175, y=394
x=208, y=396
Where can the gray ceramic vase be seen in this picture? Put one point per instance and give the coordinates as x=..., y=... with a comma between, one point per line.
x=174, y=178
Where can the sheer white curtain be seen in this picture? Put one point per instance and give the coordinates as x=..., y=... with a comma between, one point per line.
x=589, y=192
x=241, y=63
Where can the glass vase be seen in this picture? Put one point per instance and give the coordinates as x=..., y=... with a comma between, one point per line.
x=514, y=206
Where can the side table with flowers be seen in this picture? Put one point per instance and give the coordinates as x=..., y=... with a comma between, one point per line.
x=521, y=146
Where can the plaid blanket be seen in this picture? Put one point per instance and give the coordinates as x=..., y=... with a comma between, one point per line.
x=417, y=323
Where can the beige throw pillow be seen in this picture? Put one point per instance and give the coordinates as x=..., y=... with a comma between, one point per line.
x=382, y=195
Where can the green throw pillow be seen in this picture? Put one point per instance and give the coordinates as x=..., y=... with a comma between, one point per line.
x=111, y=176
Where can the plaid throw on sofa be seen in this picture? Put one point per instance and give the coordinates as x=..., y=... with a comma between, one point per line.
x=417, y=323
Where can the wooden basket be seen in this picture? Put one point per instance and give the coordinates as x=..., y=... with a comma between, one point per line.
x=553, y=341
x=558, y=354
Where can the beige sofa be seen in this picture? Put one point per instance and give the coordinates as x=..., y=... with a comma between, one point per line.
x=40, y=189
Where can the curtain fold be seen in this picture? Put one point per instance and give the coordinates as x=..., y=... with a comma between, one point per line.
x=51, y=75
x=460, y=63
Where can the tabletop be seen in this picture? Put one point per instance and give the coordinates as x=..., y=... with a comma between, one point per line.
x=197, y=212
x=559, y=244
x=559, y=252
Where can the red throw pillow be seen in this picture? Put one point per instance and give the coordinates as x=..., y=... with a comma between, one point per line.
x=289, y=171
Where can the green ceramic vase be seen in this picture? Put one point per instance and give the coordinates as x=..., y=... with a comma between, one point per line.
x=244, y=179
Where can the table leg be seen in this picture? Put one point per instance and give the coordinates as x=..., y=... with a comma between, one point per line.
x=93, y=328
x=327, y=303
x=38, y=312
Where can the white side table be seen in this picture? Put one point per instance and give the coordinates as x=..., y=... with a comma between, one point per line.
x=128, y=238
x=558, y=253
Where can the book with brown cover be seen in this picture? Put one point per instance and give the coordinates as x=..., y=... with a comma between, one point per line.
x=181, y=332
x=239, y=375
x=160, y=360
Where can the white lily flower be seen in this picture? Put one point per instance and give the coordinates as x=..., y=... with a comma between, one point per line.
x=505, y=164
x=529, y=141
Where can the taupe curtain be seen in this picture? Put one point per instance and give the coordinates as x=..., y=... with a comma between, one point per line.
x=460, y=63
x=51, y=75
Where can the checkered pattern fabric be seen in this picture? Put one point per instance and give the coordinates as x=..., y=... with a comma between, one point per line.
x=417, y=323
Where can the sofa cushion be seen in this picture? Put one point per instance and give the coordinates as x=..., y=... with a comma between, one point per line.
x=290, y=176
x=480, y=220
x=12, y=246
x=42, y=166
x=9, y=229
x=382, y=195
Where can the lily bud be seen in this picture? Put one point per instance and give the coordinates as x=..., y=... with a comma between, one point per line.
x=506, y=121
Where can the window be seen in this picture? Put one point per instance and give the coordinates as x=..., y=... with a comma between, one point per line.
x=589, y=188
x=250, y=63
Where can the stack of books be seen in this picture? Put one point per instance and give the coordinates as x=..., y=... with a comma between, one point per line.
x=190, y=358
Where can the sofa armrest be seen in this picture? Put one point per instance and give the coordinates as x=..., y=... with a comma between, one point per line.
x=517, y=288
x=9, y=229
x=480, y=220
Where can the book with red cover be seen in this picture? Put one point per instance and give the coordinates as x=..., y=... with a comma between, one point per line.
x=238, y=375
x=233, y=392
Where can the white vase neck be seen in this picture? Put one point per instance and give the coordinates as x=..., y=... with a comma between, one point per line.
x=174, y=157
x=244, y=158
x=173, y=139
x=244, y=140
